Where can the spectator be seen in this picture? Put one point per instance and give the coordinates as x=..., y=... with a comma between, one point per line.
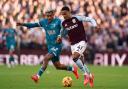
x=111, y=16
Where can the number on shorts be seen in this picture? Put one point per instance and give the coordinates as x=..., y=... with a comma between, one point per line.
x=79, y=47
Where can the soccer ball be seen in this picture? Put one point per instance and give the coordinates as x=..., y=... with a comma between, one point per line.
x=67, y=81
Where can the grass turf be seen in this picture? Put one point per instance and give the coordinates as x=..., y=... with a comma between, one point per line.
x=19, y=78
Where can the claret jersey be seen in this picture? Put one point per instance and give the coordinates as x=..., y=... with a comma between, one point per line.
x=75, y=28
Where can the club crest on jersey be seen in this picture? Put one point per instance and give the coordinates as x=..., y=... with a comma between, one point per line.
x=65, y=25
x=73, y=20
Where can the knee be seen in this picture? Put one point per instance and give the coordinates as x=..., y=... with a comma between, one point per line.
x=45, y=61
x=75, y=56
x=11, y=53
x=58, y=67
x=47, y=57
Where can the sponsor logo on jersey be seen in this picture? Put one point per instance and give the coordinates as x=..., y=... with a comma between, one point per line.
x=72, y=27
x=51, y=32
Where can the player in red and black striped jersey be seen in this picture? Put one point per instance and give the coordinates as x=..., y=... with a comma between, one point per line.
x=73, y=26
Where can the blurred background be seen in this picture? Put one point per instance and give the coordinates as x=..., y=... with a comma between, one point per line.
x=111, y=17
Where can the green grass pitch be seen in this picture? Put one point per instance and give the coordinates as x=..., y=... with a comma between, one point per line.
x=19, y=78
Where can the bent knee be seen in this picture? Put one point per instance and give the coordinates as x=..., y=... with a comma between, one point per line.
x=75, y=55
x=58, y=67
x=48, y=56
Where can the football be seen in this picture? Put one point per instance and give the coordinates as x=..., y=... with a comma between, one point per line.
x=67, y=81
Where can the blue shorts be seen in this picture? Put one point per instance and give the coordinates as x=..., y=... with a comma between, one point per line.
x=11, y=46
x=56, y=51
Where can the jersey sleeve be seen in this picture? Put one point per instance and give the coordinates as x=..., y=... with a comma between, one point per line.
x=63, y=32
x=41, y=23
x=31, y=25
x=15, y=32
x=87, y=19
x=3, y=34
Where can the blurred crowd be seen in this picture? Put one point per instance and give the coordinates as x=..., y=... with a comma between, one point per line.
x=111, y=17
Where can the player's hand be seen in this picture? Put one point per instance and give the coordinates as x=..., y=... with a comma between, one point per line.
x=19, y=24
x=59, y=39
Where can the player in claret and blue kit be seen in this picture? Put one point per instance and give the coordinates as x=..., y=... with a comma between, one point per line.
x=52, y=27
x=73, y=26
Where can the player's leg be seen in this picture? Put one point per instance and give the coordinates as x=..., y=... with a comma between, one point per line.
x=91, y=76
x=79, y=61
x=47, y=57
x=45, y=63
x=56, y=50
x=77, y=51
x=82, y=66
x=11, y=49
x=11, y=58
x=60, y=66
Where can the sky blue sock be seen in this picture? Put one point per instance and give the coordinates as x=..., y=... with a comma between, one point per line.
x=87, y=70
x=82, y=66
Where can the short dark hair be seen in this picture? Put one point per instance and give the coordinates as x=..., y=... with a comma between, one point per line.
x=65, y=8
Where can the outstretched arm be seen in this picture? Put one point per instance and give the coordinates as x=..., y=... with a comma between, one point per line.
x=29, y=25
x=87, y=19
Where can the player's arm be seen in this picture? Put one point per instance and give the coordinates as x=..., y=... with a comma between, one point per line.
x=88, y=19
x=63, y=33
x=29, y=25
x=15, y=32
x=59, y=38
x=4, y=36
